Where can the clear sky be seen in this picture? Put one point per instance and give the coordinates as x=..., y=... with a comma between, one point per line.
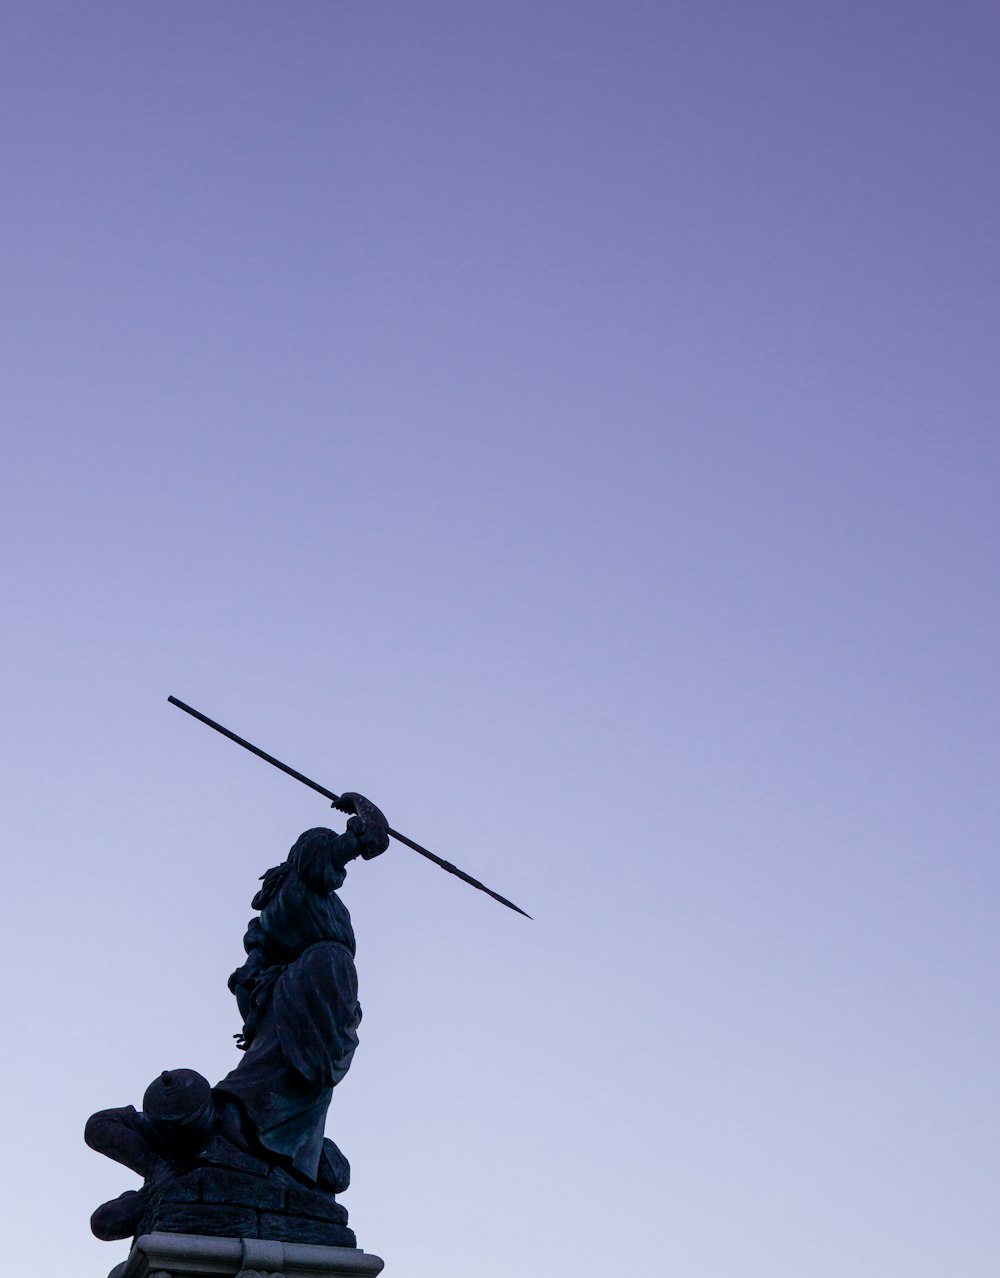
x=575, y=425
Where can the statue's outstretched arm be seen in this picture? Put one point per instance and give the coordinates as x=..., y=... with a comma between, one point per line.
x=367, y=824
x=122, y=1134
x=321, y=856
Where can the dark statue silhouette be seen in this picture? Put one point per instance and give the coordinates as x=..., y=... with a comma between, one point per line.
x=248, y=1157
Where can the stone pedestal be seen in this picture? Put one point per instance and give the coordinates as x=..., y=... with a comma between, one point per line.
x=197, y=1256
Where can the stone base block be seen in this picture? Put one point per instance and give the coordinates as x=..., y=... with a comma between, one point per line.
x=197, y=1256
x=221, y=1202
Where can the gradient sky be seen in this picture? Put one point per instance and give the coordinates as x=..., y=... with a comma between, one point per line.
x=574, y=425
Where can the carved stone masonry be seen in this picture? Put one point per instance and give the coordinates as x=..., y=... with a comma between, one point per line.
x=195, y=1256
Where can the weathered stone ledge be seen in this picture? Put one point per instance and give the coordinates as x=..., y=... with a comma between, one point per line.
x=161, y=1255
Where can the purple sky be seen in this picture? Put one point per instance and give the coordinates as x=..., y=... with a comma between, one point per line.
x=575, y=425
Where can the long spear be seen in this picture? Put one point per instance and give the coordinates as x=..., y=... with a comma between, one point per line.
x=335, y=798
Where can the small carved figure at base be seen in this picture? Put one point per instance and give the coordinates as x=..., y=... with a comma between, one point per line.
x=197, y=1180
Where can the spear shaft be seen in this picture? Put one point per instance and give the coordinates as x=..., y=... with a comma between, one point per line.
x=335, y=798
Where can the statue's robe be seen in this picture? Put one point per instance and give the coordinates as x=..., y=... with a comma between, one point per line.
x=301, y=988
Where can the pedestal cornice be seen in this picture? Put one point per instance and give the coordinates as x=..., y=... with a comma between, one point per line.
x=196, y=1256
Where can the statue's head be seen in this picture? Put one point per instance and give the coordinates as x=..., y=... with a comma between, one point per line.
x=319, y=839
x=179, y=1106
x=318, y=845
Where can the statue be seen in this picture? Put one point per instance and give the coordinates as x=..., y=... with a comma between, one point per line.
x=248, y=1157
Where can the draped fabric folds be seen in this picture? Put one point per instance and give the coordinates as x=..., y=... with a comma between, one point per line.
x=302, y=1048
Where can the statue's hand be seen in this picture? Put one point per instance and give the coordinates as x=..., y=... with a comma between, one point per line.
x=367, y=823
